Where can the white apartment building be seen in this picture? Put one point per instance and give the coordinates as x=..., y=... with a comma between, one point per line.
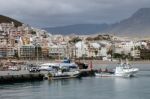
x=57, y=51
x=81, y=49
x=123, y=47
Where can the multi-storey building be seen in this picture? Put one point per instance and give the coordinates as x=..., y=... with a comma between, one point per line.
x=57, y=51
x=45, y=52
x=26, y=52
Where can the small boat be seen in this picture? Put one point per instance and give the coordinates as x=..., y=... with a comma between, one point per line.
x=63, y=75
x=122, y=70
x=63, y=70
x=125, y=70
x=105, y=73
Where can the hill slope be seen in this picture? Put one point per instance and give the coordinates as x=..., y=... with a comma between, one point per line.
x=5, y=19
x=138, y=23
x=78, y=29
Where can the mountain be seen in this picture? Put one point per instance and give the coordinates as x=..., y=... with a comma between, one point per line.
x=5, y=19
x=77, y=29
x=138, y=23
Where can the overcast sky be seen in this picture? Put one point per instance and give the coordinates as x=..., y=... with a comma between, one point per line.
x=49, y=13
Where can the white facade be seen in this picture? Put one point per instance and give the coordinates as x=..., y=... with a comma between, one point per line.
x=81, y=49
x=103, y=52
x=57, y=51
x=124, y=47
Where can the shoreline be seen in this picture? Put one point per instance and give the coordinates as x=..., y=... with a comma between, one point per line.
x=116, y=62
x=84, y=61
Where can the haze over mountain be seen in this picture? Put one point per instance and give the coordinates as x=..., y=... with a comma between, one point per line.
x=138, y=23
x=5, y=19
x=77, y=29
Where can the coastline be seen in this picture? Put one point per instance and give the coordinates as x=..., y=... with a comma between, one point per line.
x=84, y=61
x=116, y=62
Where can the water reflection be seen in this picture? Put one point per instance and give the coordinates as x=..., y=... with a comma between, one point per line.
x=64, y=82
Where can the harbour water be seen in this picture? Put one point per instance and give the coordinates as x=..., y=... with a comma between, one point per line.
x=85, y=88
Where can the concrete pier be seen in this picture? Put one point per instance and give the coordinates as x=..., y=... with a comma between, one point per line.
x=22, y=76
x=16, y=76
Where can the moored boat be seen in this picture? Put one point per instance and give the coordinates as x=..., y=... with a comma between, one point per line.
x=122, y=70
x=63, y=70
x=125, y=70
x=63, y=75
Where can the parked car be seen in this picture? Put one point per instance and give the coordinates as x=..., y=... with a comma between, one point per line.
x=34, y=69
x=13, y=68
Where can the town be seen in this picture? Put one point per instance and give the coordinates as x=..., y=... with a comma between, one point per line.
x=28, y=43
x=74, y=49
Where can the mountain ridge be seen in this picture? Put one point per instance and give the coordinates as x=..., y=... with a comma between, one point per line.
x=77, y=29
x=5, y=19
x=138, y=23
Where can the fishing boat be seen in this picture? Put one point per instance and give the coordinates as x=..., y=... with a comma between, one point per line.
x=125, y=70
x=62, y=70
x=122, y=70
x=60, y=74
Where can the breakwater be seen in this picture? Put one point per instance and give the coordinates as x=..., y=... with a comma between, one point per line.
x=20, y=78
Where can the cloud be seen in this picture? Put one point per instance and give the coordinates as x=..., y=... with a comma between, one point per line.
x=44, y=13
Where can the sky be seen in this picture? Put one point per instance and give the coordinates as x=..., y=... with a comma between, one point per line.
x=52, y=13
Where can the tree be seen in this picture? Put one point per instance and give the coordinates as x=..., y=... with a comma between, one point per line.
x=75, y=40
x=96, y=52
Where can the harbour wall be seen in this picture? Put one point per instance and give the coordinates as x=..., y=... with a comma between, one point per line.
x=20, y=78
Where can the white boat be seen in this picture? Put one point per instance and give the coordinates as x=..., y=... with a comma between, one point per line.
x=125, y=70
x=63, y=75
x=47, y=66
x=122, y=70
x=63, y=70
x=51, y=66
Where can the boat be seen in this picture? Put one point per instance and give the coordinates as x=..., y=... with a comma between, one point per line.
x=51, y=66
x=122, y=70
x=63, y=75
x=106, y=73
x=125, y=70
x=62, y=70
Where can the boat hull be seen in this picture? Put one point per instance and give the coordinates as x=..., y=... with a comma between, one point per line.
x=125, y=73
x=104, y=75
x=128, y=73
x=64, y=76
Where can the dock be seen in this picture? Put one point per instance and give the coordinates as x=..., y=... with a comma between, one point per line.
x=22, y=76
x=19, y=76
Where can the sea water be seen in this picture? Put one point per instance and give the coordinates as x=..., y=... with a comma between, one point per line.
x=85, y=88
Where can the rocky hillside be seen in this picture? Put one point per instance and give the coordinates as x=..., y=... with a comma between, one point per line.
x=4, y=19
x=77, y=29
x=138, y=23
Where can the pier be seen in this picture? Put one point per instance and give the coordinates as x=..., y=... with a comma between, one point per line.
x=19, y=76
x=22, y=76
